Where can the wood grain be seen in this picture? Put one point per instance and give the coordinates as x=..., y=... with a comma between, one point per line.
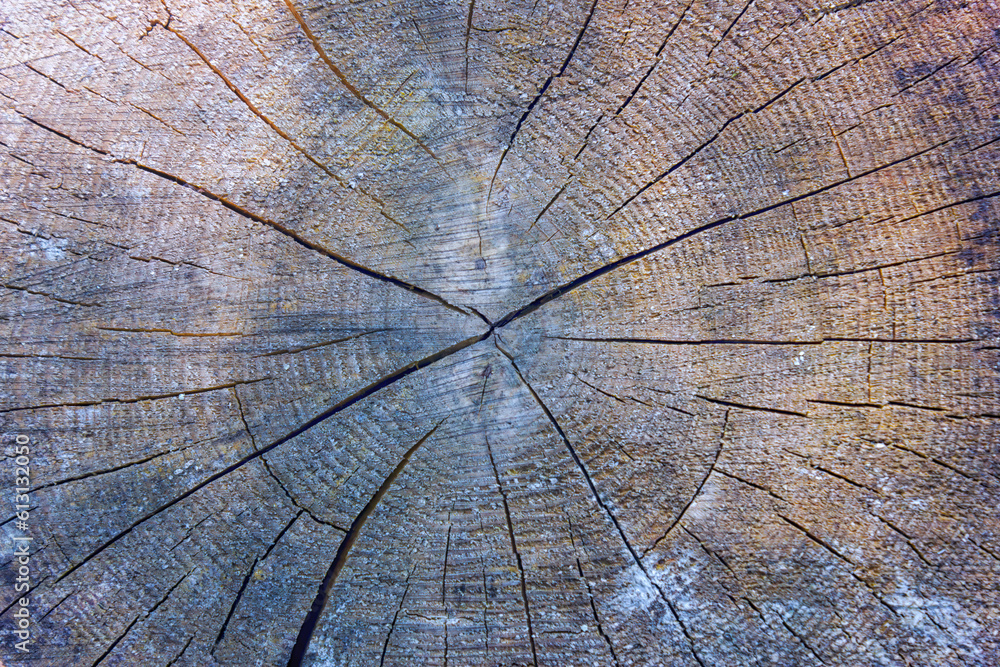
x=637, y=332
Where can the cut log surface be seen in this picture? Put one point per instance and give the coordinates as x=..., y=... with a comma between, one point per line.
x=502, y=332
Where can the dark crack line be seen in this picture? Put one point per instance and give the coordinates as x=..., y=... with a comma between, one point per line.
x=756, y=408
x=347, y=84
x=236, y=601
x=848, y=480
x=444, y=578
x=295, y=501
x=823, y=543
x=55, y=606
x=983, y=145
x=190, y=531
x=140, y=617
x=709, y=552
x=778, y=96
x=44, y=75
x=601, y=503
x=800, y=639
x=478, y=314
x=267, y=466
x=572, y=450
x=771, y=207
x=579, y=38
x=680, y=163
x=486, y=627
x=27, y=593
x=660, y=341
x=468, y=29
x=943, y=207
x=934, y=459
x=711, y=469
x=851, y=272
x=50, y=296
x=656, y=60
x=517, y=554
x=388, y=636
x=608, y=393
x=637, y=87
x=301, y=240
x=115, y=642
x=95, y=473
x=925, y=77
x=359, y=395
x=538, y=97
x=134, y=399
x=183, y=650
x=608, y=268
x=590, y=594
x=752, y=485
x=243, y=418
x=243, y=212
x=728, y=29
x=343, y=552
x=549, y=205
x=907, y=539
x=684, y=629
x=179, y=334
x=586, y=137
x=249, y=574
x=257, y=112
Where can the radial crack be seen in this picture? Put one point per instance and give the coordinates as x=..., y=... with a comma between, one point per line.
x=680, y=163
x=590, y=595
x=347, y=84
x=600, y=501
x=557, y=292
x=239, y=210
x=388, y=636
x=246, y=579
x=301, y=240
x=357, y=396
x=267, y=466
x=711, y=469
x=50, y=296
x=718, y=341
x=236, y=602
x=744, y=406
x=726, y=31
x=106, y=471
x=142, y=616
x=257, y=112
x=656, y=60
x=134, y=399
x=465, y=50
x=517, y=554
x=179, y=334
x=304, y=348
x=343, y=552
x=549, y=205
x=538, y=97
x=821, y=542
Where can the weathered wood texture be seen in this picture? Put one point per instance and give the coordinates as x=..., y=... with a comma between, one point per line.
x=503, y=332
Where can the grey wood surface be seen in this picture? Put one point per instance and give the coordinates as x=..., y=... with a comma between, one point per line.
x=600, y=332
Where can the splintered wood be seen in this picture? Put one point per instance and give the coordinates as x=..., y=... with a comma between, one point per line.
x=591, y=332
